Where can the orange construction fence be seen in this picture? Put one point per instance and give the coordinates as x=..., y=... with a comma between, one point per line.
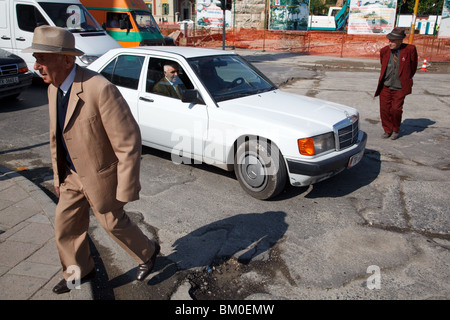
x=323, y=43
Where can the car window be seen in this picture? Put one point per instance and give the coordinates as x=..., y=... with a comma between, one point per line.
x=28, y=17
x=229, y=77
x=124, y=71
x=114, y=18
x=161, y=80
x=145, y=21
x=72, y=16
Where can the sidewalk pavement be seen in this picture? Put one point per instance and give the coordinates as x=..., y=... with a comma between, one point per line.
x=328, y=62
x=29, y=262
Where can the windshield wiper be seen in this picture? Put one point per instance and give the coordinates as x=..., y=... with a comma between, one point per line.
x=75, y=30
x=237, y=95
x=266, y=89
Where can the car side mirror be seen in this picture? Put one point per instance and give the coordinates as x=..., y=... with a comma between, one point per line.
x=192, y=96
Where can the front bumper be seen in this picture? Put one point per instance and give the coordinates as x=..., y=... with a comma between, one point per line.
x=25, y=80
x=314, y=171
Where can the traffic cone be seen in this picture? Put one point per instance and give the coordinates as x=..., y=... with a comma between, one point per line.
x=424, y=65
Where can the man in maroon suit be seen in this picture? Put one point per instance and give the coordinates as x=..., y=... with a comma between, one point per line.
x=398, y=66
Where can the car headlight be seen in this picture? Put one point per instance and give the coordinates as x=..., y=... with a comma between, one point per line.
x=22, y=67
x=87, y=59
x=316, y=145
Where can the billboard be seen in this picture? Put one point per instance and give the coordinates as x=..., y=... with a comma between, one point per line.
x=444, y=27
x=210, y=15
x=288, y=14
x=371, y=16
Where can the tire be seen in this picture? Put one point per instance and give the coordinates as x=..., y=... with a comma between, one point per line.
x=260, y=168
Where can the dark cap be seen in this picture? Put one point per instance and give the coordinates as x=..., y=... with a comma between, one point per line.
x=396, y=34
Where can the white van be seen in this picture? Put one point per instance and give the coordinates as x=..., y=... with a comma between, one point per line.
x=18, y=18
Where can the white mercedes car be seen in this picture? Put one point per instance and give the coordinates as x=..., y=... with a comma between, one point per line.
x=211, y=106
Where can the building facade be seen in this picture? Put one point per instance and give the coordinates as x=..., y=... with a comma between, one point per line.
x=171, y=11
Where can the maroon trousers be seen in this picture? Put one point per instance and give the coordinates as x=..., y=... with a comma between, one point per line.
x=391, y=109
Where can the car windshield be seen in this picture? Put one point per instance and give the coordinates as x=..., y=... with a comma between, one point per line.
x=145, y=21
x=230, y=76
x=71, y=16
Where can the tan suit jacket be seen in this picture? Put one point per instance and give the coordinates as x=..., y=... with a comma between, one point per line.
x=103, y=140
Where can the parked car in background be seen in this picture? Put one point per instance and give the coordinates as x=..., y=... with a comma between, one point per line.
x=220, y=110
x=18, y=18
x=14, y=75
x=130, y=23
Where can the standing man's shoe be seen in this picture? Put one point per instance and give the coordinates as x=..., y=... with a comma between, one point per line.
x=394, y=135
x=62, y=287
x=145, y=269
x=385, y=135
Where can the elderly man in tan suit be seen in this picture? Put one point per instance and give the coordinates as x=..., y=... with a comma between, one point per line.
x=95, y=147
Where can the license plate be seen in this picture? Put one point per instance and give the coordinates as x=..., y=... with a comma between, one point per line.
x=355, y=159
x=9, y=80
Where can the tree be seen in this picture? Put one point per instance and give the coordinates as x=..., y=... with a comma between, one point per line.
x=318, y=7
x=426, y=7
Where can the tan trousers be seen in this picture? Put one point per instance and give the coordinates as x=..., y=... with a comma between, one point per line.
x=72, y=223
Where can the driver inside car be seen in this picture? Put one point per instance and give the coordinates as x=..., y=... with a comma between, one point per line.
x=209, y=76
x=171, y=85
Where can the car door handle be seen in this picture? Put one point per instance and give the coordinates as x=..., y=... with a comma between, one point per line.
x=20, y=39
x=146, y=99
x=6, y=38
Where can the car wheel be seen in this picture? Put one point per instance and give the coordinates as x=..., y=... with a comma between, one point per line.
x=260, y=168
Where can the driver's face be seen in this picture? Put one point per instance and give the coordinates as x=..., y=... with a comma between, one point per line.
x=171, y=73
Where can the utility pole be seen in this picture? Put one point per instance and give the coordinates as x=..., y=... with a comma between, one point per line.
x=224, y=5
x=223, y=29
x=413, y=23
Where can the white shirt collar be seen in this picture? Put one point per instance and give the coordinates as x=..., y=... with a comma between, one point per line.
x=172, y=83
x=68, y=81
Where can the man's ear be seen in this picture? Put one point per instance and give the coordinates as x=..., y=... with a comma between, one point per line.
x=69, y=61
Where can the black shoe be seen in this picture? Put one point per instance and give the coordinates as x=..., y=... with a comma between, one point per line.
x=62, y=287
x=394, y=135
x=145, y=269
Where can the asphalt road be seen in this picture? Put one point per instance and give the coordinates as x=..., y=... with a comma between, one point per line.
x=380, y=230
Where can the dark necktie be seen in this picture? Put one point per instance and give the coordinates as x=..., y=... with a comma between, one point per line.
x=395, y=56
x=61, y=109
x=178, y=90
x=62, y=102
x=60, y=96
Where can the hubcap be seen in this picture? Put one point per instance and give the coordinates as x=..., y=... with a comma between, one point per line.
x=253, y=171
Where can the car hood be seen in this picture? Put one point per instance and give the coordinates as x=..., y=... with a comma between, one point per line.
x=288, y=111
x=8, y=57
x=95, y=43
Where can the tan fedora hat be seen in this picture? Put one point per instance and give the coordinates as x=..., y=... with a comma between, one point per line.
x=48, y=39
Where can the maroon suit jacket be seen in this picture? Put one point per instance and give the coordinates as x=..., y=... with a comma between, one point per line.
x=406, y=70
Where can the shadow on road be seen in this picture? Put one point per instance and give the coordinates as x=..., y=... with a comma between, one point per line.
x=410, y=126
x=350, y=180
x=244, y=236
